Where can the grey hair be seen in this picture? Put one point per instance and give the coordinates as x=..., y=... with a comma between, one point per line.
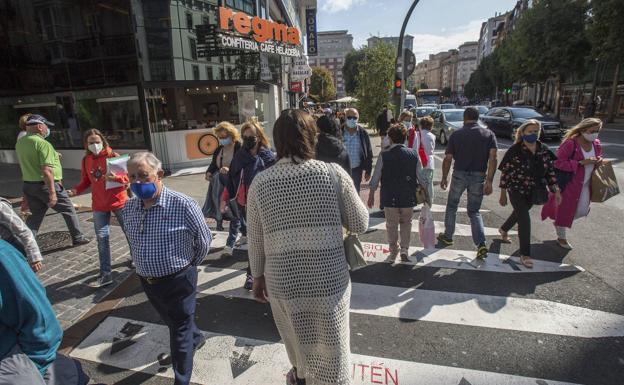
x=351, y=109
x=145, y=156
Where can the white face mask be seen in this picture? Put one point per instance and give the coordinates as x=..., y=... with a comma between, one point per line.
x=590, y=137
x=95, y=148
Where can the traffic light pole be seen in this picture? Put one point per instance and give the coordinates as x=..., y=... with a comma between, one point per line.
x=398, y=99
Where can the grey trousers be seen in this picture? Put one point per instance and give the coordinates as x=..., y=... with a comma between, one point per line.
x=17, y=369
x=37, y=196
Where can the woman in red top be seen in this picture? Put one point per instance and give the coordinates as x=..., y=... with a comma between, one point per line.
x=104, y=201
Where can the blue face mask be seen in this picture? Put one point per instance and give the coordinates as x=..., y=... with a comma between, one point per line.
x=531, y=138
x=352, y=123
x=225, y=142
x=144, y=190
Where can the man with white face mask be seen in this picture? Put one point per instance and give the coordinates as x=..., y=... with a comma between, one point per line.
x=168, y=239
x=42, y=175
x=358, y=146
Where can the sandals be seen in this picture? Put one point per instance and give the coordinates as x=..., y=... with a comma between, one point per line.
x=504, y=236
x=526, y=261
x=563, y=243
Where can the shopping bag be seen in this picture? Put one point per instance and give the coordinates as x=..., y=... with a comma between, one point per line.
x=426, y=227
x=603, y=183
x=116, y=166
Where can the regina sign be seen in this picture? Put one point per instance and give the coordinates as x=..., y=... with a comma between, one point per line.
x=252, y=33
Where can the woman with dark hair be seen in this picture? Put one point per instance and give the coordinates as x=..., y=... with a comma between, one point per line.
x=329, y=146
x=103, y=201
x=254, y=157
x=297, y=255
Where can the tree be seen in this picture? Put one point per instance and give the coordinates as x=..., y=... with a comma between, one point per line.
x=350, y=70
x=446, y=92
x=322, y=87
x=374, y=81
x=606, y=31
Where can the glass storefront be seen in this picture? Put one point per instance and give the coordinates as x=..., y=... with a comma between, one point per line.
x=114, y=111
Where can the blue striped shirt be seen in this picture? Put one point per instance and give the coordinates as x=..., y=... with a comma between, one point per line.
x=353, y=146
x=167, y=237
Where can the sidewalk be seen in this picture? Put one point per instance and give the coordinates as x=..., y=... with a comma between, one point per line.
x=569, y=121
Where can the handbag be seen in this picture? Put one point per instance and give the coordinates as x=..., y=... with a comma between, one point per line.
x=354, y=251
x=603, y=183
x=421, y=195
x=421, y=152
x=565, y=177
x=234, y=203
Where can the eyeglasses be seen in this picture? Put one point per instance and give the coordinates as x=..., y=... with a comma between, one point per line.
x=352, y=117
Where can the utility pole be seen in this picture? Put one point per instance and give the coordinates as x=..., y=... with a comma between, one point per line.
x=400, y=54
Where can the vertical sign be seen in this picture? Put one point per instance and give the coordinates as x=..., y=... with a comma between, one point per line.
x=311, y=32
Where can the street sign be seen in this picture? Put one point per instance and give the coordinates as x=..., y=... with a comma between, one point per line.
x=301, y=70
x=410, y=65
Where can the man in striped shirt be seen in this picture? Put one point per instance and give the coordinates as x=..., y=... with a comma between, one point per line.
x=168, y=239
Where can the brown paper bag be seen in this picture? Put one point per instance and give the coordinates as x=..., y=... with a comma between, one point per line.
x=603, y=183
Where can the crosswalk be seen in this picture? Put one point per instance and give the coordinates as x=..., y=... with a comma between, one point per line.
x=417, y=322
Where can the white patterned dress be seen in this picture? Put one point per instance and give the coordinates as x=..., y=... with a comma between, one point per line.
x=295, y=241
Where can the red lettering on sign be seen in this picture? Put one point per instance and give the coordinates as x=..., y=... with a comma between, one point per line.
x=363, y=366
x=369, y=254
x=395, y=380
x=374, y=374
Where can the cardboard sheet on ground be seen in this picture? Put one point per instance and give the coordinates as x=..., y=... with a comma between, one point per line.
x=116, y=166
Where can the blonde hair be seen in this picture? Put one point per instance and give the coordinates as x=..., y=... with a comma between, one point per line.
x=253, y=123
x=229, y=129
x=581, y=127
x=22, y=121
x=520, y=130
x=405, y=114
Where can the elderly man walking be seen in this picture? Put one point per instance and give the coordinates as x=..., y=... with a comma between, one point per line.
x=358, y=145
x=168, y=239
x=42, y=175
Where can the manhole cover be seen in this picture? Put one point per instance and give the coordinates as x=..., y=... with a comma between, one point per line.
x=54, y=240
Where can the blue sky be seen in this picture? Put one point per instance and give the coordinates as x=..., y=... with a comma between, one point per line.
x=436, y=25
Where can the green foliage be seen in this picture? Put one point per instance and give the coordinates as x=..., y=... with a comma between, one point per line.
x=374, y=81
x=446, y=92
x=322, y=87
x=606, y=30
x=350, y=70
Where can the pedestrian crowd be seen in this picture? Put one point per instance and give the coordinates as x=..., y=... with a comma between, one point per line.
x=291, y=205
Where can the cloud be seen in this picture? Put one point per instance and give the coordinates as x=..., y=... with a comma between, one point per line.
x=425, y=44
x=333, y=6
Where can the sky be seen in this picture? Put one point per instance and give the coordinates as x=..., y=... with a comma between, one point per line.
x=437, y=25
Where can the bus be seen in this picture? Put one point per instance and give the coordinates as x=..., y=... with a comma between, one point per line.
x=428, y=96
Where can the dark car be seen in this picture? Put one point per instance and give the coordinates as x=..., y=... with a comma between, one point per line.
x=504, y=121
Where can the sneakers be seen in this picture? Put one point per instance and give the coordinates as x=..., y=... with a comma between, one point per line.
x=482, y=252
x=444, y=240
x=228, y=251
x=404, y=257
x=164, y=359
x=81, y=241
x=249, y=282
x=563, y=243
x=242, y=241
x=391, y=258
x=103, y=280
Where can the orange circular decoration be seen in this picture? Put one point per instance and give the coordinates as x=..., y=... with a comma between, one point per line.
x=207, y=144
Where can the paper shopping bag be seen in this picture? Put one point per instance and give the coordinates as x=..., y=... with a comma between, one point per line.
x=603, y=183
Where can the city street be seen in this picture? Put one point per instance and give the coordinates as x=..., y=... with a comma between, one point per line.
x=443, y=318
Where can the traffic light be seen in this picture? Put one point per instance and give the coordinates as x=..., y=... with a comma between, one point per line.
x=397, y=86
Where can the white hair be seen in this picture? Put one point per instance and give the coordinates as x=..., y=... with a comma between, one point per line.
x=147, y=157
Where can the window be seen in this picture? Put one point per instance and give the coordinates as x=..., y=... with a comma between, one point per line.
x=193, y=47
x=209, y=75
x=195, y=72
x=247, y=6
x=189, y=20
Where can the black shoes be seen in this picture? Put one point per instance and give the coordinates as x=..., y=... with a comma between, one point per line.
x=81, y=241
x=164, y=359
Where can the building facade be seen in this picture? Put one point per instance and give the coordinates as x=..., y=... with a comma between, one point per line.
x=149, y=74
x=448, y=71
x=467, y=64
x=408, y=41
x=489, y=34
x=333, y=47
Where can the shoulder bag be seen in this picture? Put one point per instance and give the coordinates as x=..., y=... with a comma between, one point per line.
x=235, y=203
x=564, y=177
x=354, y=251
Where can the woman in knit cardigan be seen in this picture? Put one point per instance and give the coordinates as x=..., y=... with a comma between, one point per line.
x=297, y=254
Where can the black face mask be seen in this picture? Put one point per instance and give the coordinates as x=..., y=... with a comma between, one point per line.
x=250, y=142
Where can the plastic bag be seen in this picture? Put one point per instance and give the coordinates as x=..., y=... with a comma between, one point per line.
x=426, y=227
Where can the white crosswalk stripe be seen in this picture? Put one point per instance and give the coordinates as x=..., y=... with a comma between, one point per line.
x=461, y=230
x=234, y=359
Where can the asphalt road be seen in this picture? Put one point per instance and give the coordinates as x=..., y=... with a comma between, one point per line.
x=436, y=320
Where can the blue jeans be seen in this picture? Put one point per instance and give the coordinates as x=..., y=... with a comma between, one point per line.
x=473, y=182
x=101, y=220
x=237, y=225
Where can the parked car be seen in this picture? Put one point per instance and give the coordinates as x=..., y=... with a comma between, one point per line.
x=446, y=122
x=421, y=112
x=504, y=121
x=448, y=106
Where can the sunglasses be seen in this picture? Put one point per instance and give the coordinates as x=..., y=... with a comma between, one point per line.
x=352, y=117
